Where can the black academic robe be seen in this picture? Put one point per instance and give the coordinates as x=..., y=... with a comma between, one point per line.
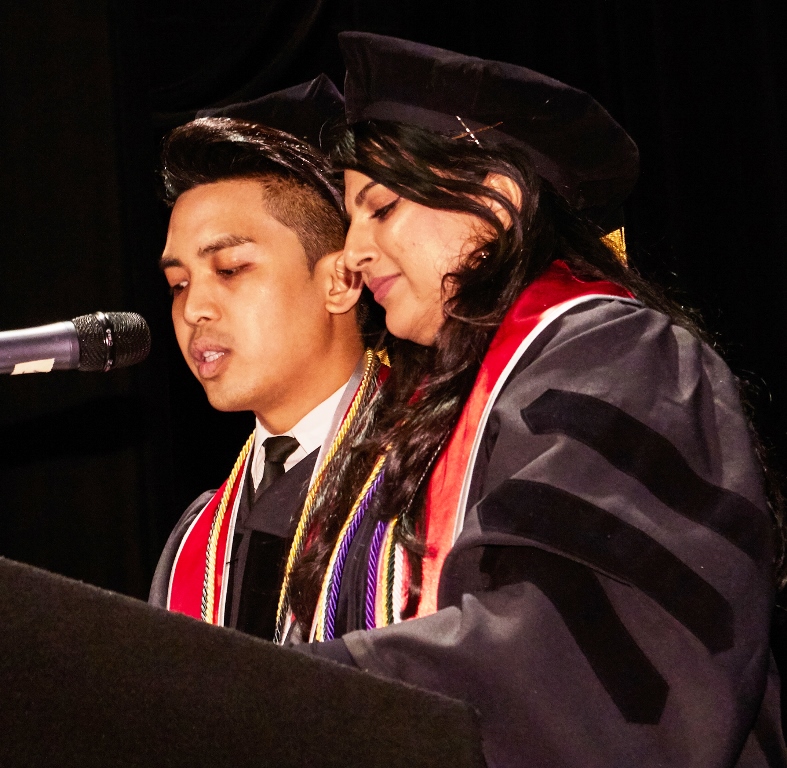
x=608, y=600
x=264, y=528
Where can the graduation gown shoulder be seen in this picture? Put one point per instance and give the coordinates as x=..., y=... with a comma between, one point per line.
x=608, y=601
x=159, y=587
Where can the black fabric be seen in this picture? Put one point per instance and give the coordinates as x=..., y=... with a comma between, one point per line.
x=303, y=110
x=335, y=650
x=90, y=679
x=276, y=509
x=589, y=623
x=770, y=740
x=573, y=141
x=261, y=580
x=581, y=530
x=238, y=611
x=646, y=455
x=238, y=549
x=264, y=528
x=263, y=531
x=631, y=680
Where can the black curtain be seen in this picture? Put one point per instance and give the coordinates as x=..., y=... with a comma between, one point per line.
x=96, y=468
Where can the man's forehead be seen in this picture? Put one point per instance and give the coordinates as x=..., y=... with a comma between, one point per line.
x=212, y=217
x=227, y=214
x=233, y=194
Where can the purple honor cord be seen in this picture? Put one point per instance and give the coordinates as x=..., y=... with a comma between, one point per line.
x=371, y=574
x=341, y=558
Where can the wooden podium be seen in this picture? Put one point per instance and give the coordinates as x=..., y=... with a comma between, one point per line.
x=92, y=679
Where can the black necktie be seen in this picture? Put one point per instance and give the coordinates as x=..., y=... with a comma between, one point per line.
x=277, y=451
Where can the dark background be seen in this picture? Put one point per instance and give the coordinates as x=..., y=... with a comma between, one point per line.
x=95, y=469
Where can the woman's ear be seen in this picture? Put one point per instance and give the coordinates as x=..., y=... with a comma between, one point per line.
x=343, y=285
x=508, y=188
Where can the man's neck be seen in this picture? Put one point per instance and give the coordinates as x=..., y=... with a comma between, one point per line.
x=282, y=416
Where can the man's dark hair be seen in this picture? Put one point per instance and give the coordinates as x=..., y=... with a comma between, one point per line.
x=300, y=190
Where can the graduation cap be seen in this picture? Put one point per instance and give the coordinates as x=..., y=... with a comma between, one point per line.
x=572, y=140
x=302, y=111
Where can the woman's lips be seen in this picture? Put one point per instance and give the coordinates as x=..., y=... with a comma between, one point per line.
x=380, y=286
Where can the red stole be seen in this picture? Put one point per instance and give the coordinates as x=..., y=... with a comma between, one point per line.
x=542, y=302
x=188, y=570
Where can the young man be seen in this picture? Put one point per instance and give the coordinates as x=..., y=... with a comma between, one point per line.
x=265, y=316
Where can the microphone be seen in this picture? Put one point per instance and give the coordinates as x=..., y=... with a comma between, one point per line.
x=98, y=342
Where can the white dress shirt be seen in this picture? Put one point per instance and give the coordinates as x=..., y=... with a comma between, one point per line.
x=310, y=432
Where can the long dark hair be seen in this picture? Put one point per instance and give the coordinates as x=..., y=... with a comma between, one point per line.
x=449, y=174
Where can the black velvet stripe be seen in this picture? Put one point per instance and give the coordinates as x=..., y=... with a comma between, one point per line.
x=237, y=540
x=628, y=676
x=650, y=458
x=259, y=597
x=585, y=532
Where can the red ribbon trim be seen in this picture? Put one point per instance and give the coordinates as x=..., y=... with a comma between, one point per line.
x=555, y=287
x=188, y=572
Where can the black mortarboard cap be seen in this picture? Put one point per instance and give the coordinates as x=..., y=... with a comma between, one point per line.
x=572, y=140
x=303, y=110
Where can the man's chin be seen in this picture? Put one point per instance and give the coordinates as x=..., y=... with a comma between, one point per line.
x=227, y=402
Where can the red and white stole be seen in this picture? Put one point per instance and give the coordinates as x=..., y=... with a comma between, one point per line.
x=541, y=303
x=188, y=570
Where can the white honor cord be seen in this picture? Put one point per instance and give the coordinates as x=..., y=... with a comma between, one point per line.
x=228, y=546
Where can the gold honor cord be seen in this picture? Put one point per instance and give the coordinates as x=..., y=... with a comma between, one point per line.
x=369, y=377
x=388, y=561
x=209, y=585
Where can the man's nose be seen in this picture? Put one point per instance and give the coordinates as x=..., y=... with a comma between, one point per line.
x=200, y=304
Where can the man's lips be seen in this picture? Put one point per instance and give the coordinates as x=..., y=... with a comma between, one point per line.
x=380, y=286
x=209, y=357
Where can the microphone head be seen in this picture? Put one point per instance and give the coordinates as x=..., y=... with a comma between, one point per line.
x=110, y=340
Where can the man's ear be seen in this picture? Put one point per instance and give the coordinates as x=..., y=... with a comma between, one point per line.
x=508, y=188
x=343, y=285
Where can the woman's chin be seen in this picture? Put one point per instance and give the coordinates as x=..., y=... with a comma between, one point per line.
x=419, y=333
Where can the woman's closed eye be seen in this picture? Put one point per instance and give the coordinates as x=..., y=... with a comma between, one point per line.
x=383, y=212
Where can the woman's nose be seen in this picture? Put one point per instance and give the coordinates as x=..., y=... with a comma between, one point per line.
x=359, y=248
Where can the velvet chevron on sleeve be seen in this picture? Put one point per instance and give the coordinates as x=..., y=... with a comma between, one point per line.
x=608, y=601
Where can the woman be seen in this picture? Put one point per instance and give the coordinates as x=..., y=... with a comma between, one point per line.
x=555, y=511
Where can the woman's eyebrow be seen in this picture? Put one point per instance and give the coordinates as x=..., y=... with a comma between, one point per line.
x=359, y=198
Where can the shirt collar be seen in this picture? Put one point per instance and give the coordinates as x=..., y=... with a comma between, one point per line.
x=310, y=432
